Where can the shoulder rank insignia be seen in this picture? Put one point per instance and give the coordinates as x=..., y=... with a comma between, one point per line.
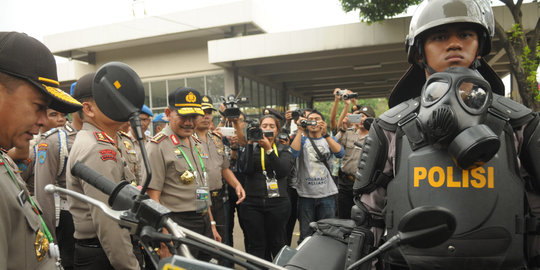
x=69, y=128
x=49, y=133
x=158, y=138
x=215, y=134
x=196, y=138
x=101, y=137
x=174, y=139
x=125, y=134
x=218, y=142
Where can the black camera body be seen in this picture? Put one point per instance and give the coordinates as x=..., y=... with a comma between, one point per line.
x=297, y=113
x=231, y=106
x=283, y=136
x=254, y=131
x=268, y=134
x=349, y=96
x=305, y=123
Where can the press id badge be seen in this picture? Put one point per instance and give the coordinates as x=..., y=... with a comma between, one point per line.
x=201, y=199
x=271, y=186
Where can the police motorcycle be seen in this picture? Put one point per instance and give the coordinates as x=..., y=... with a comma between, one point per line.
x=339, y=244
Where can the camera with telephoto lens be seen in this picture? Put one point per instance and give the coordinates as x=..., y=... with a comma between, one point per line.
x=349, y=96
x=297, y=113
x=254, y=131
x=305, y=123
x=231, y=106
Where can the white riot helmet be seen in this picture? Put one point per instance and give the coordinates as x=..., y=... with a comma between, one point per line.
x=434, y=13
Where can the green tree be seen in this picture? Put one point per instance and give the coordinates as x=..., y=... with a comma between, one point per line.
x=522, y=49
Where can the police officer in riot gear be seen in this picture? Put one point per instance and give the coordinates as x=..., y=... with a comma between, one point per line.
x=452, y=140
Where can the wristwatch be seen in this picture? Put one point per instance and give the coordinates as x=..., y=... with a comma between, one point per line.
x=268, y=152
x=212, y=223
x=325, y=135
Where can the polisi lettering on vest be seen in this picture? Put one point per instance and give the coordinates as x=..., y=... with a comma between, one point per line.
x=452, y=177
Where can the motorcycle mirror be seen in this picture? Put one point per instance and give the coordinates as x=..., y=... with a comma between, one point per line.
x=421, y=227
x=118, y=91
x=426, y=226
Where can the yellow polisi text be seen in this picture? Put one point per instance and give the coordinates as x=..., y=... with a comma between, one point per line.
x=438, y=177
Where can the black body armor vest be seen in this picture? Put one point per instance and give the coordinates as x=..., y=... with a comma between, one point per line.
x=488, y=203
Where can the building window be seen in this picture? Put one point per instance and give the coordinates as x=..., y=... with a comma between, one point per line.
x=158, y=92
x=197, y=83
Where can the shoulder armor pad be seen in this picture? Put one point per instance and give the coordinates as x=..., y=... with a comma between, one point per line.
x=515, y=111
x=158, y=138
x=390, y=118
x=49, y=133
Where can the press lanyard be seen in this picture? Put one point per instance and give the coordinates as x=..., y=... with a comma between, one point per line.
x=47, y=233
x=262, y=156
x=189, y=162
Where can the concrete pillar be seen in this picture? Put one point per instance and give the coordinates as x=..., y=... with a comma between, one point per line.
x=230, y=81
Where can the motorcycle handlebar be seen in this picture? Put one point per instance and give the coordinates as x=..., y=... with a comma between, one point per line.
x=93, y=178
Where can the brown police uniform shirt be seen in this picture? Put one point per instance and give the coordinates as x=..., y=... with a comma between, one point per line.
x=51, y=169
x=214, y=152
x=168, y=164
x=99, y=152
x=131, y=151
x=20, y=224
x=349, y=162
x=26, y=167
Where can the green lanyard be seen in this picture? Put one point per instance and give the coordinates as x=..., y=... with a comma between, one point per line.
x=262, y=156
x=47, y=232
x=189, y=162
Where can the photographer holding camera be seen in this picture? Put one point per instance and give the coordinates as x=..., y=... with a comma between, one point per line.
x=348, y=97
x=266, y=209
x=315, y=185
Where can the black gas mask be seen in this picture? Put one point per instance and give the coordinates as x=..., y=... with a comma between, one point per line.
x=453, y=111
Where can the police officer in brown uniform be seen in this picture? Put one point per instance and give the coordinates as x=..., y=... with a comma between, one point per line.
x=179, y=173
x=100, y=242
x=50, y=168
x=28, y=84
x=351, y=136
x=218, y=165
x=131, y=151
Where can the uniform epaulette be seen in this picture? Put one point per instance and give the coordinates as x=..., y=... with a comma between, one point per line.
x=69, y=128
x=215, y=134
x=196, y=138
x=125, y=134
x=101, y=137
x=158, y=138
x=49, y=133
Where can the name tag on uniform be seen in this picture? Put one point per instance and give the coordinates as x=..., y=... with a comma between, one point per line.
x=178, y=153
